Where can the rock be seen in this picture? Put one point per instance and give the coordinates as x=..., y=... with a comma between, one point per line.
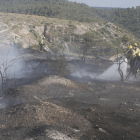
x=24, y=31
x=137, y=99
x=102, y=130
x=124, y=103
x=96, y=127
x=57, y=135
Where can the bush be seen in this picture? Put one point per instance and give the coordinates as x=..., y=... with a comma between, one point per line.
x=107, y=25
x=103, y=30
x=116, y=35
x=35, y=46
x=125, y=39
x=60, y=66
x=15, y=26
x=66, y=38
x=20, y=44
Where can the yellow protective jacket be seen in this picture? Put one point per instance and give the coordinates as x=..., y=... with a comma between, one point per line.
x=131, y=54
x=15, y=41
x=137, y=51
x=42, y=42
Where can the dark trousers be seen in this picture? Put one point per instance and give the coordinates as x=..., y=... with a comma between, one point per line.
x=15, y=45
x=134, y=65
x=41, y=47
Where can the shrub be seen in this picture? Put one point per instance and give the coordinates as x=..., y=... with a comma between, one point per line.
x=35, y=46
x=66, y=38
x=116, y=35
x=60, y=65
x=20, y=44
x=125, y=39
x=15, y=26
x=107, y=25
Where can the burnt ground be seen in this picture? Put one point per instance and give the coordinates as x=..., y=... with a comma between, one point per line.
x=44, y=106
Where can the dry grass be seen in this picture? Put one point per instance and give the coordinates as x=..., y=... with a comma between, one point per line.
x=20, y=19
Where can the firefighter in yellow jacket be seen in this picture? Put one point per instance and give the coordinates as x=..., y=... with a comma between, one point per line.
x=131, y=56
x=42, y=44
x=137, y=51
x=15, y=44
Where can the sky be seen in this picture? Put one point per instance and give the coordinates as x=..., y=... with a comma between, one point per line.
x=110, y=3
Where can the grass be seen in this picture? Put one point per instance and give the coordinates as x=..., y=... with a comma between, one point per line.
x=35, y=46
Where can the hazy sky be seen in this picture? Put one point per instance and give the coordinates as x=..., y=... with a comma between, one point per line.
x=110, y=3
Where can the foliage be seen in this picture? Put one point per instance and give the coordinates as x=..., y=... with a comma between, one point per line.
x=104, y=31
x=99, y=42
x=128, y=18
x=66, y=38
x=20, y=44
x=37, y=36
x=62, y=9
x=125, y=39
x=60, y=65
x=35, y=46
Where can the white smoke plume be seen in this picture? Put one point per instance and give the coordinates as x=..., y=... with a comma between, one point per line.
x=11, y=62
x=111, y=74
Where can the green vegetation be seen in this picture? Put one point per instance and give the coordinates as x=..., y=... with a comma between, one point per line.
x=62, y=9
x=60, y=65
x=125, y=39
x=93, y=38
x=128, y=18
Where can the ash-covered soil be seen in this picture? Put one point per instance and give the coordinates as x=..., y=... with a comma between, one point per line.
x=56, y=108
x=42, y=106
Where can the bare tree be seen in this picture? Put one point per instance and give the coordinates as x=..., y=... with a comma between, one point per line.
x=60, y=65
x=4, y=66
x=84, y=50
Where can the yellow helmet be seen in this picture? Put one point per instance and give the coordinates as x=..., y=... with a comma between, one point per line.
x=135, y=44
x=130, y=47
x=44, y=37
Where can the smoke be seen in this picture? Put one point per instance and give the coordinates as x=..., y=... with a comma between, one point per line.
x=83, y=73
x=111, y=74
x=11, y=63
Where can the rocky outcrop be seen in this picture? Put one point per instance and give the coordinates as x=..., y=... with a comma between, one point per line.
x=58, y=33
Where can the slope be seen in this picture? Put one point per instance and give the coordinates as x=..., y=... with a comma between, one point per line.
x=50, y=8
x=99, y=38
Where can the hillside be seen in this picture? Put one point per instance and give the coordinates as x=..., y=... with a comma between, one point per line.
x=62, y=9
x=127, y=18
x=99, y=38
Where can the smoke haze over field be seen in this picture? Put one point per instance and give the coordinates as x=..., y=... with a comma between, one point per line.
x=11, y=64
x=111, y=74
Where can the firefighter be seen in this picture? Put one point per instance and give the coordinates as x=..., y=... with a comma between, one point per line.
x=42, y=44
x=137, y=51
x=15, y=44
x=131, y=55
